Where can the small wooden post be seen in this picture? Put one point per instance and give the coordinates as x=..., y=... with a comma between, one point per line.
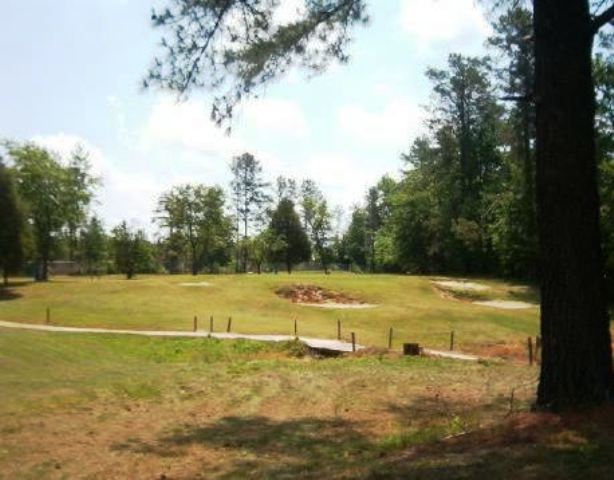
x=48, y=319
x=229, y=326
x=195, y=323
x=353, y=342
x=530, y=347
x=390, y=339
x=338, y=329
x=295, y=329
x=211, y=324
x=452, y=340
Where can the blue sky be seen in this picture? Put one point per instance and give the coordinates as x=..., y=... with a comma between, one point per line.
x=71, y=71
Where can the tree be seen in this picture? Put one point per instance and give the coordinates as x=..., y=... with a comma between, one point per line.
x=286, y=188
x=79, y=192
x=93, y=246
x=372, y=224
x=11, y=226
x=49, y=190
x=317, y=219
x=196, y=213
x=210, y=49
x=132, y=254
x=286, y=225
x=355, y=239
x=248, y=194
x=514, y=227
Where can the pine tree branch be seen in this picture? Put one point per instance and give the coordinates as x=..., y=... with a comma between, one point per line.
x=603, y=18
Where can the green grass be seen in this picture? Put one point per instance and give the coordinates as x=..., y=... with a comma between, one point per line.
x=114, y=406
x=104, y=406
x=409, y=304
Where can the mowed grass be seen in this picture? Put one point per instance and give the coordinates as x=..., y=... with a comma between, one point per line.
x=110, y=406
x=408, y=304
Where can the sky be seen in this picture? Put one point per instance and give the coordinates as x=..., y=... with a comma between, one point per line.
x=71, y=72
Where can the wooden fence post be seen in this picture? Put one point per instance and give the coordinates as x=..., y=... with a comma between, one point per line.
x=452, y=341
x=353, y=342
x=229, y=326
x=390, y=339
x=48, y=319
x=338, y=329
x=211, y=324
x=295, y=329
x=195, y=323
x=530, y=347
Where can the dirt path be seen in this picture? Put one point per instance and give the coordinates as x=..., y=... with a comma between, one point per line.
x=315, y=343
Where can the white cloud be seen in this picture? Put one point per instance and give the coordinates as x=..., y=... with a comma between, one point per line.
x=275, y=116
x=188, y=126
x=449, y=24
x=395, y=124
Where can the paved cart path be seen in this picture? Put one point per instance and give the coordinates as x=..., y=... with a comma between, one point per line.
x=315, y=343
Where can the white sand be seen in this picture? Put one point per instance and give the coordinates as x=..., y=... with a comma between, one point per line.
x=505, y=304
x=195, y=284
x=340, y=306
x=456, y=285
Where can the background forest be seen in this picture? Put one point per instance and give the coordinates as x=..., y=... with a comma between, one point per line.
x=463, y=202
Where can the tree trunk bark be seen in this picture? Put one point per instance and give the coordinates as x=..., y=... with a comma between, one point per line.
x=576, y=357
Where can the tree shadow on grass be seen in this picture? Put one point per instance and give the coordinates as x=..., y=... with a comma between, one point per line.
x=523, y=445
x=260, y=447
x=7, y=294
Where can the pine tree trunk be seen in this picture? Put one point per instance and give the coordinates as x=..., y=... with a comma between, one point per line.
x=577, y=358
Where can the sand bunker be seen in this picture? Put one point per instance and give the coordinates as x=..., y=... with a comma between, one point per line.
x=505, y=304
x=456, y=285
x=314, y=296
x=195, y=284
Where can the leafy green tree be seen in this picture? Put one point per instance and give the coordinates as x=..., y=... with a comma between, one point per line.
x=249, y=197
x=294, y=243
x=93, y=246
x=513, y=223
x=79, y=192
x=355, y=239
x=196, y=214
x=286, y=188
x=11, y=226
x=317, y=219
x=248, y=189
x=49, y=189
x=131, y=250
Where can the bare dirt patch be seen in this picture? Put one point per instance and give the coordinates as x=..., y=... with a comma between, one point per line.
x=195, y=284
x=314, y=296
x=505, y=304
x=462, y=286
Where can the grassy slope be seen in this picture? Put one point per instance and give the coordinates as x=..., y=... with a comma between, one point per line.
x=408, y=304
x=83, y=406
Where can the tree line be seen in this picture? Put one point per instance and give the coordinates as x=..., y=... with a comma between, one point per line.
x=464, y=202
